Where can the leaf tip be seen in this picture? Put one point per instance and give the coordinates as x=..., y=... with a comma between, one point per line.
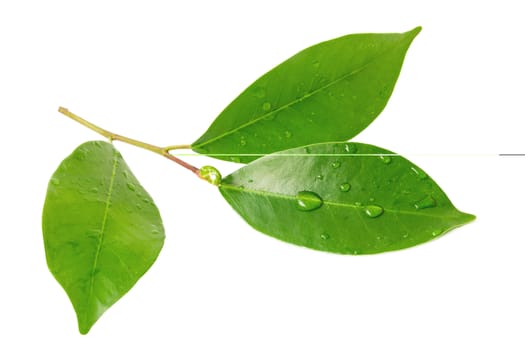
x=416, y=30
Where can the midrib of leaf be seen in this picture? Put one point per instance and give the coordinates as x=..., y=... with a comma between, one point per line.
x=301, y=98
x=103, y=225
x=327, y=203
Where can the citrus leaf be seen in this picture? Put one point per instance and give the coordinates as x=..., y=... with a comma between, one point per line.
x=101, y=229
x=328, y=92
x=348, y=198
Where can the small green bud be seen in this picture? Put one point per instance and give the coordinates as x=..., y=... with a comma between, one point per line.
x=210, y=174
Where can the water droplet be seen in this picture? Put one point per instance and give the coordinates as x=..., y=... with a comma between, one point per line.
x=436, y=233
x=405, y=235
x=345, y=187
x=350, y=148
x=266, y=106
x=55, y=181
x=131, y=186
x=243, y=142
x=270, y=116
x=325, y=236
x=126, y=174
x=155, y=232
x=94, y=190
x=259, y=92
x=358, y=204
x=386, y=159
x=139, y=206
x=373, y=211
x=307, y=150
x=210, y=174
x=336, y=164
x=427, y=202
x=420, y=173
x=379, y=238
x=287, y=134
x=319, y=177
x=308, y=201
x=316, y=64
x=146, y=200
x=235, y=159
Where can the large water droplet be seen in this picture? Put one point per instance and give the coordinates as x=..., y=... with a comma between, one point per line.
x=55, y=181
x=131, y=186
x=287, y=134
x=315, y=64
x=427, y=202
x=373, y=211
x=386, y=159
x=210, y=174
x=345, y=187
x=319, y=177
x=419, y=173
x=325, y=236
x=336, y=164
x=308, y=201
x=266, y=106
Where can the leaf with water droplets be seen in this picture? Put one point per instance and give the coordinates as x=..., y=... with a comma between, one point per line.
x=328, y=92
x=372, y=201
x=101, y=229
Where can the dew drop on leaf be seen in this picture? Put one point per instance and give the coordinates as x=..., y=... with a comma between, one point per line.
x=386, y=159
x=427, y=202
x=336, y=164
x=373, y=211
x=308, y=200
x=266, y=106
x=419, y=173
x=259, y=92
x=325, y=236
x=287, y=134
x=131, y=186
x=350, y=148
x=345, y=187
x=55, y=181
x=436, y=233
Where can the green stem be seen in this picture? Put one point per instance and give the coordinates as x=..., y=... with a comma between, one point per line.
x=163, y=151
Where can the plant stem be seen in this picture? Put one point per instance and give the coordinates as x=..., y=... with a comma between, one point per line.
x=163, y=151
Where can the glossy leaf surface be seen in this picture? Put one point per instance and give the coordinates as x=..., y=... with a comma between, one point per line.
x=102, y=230
x=347, y=198
x=328, y=92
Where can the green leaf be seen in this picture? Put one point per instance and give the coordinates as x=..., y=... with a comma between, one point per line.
x=348, y=198
x=102, y=230
x=328, y=92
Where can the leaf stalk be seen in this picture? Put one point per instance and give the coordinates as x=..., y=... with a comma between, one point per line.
x=163, y=151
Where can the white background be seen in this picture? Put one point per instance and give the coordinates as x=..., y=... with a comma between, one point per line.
x=160, y=71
